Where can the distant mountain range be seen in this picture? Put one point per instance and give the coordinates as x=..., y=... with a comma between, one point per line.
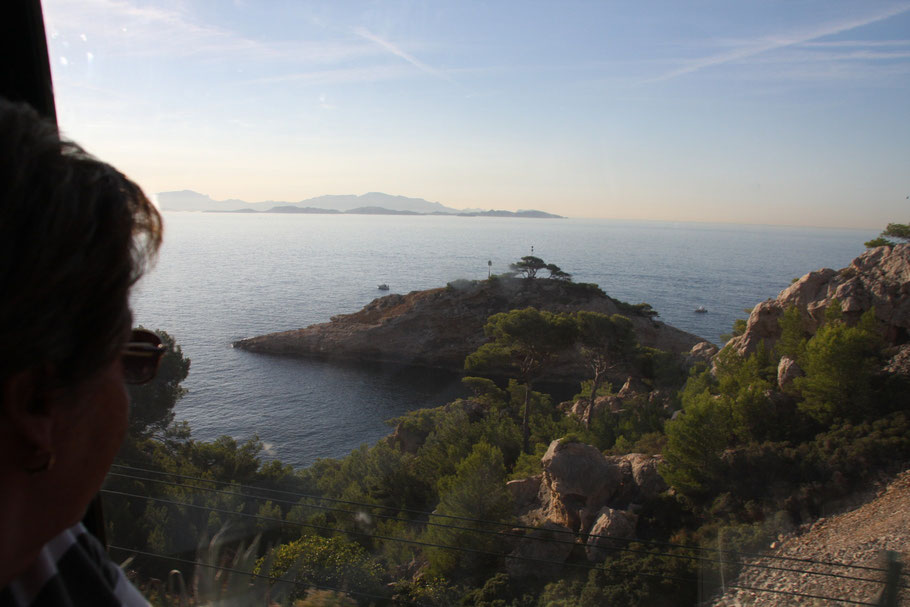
x=372, y=203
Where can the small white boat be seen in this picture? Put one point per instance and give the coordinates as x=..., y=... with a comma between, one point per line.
x=701, y=310
x=383, y=287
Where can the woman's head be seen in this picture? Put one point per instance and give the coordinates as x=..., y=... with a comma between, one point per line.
x=75, y=235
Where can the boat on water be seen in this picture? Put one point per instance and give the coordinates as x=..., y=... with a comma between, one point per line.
x=701, y=310
x=383, y=287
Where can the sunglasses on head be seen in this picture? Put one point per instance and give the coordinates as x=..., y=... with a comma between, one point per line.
x=141, y=356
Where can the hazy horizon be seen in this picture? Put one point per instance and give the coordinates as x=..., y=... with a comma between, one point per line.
x=626, y=219
x=763, y=113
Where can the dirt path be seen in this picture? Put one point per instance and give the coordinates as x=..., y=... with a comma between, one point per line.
x=857, y=537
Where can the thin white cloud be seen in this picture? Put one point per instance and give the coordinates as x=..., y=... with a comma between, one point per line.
x=385, y=44
x=802, y=56
x=123, y=28
x=334, y=76
x=781, y=41
x=855, y=43
x=798, y=73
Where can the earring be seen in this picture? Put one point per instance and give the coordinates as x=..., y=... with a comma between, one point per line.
x=45, y=465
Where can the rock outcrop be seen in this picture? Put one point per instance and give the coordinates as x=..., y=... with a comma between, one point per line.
x=878, y=278
x=578, y=481
x=640, y=479
x=524, y=491
x=610, y=528
x=579, y=408
x=632, y=394
x=787, y=371
x=900, y=362
x=582, y=491
x=408, y=440
x=440, y=327
x=701, y=352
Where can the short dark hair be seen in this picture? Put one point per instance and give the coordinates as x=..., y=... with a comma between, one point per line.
x=75, y=235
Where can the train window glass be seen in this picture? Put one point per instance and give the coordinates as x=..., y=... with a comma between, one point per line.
x=385, y=168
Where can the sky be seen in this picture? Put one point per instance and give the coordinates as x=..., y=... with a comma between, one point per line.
x=767, y=112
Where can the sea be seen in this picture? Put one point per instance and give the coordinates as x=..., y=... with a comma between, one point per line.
x=221, y=277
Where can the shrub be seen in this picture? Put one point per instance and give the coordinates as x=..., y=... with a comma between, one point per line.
x=840, y=363
x=334, y=562
x=476, y=490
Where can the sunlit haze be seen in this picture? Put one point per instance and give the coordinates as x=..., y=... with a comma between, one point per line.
x=760, y=112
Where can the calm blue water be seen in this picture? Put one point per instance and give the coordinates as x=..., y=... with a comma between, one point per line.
x=221, y=277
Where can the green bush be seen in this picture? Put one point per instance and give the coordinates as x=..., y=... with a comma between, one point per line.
x=840, y=363
x=477, y=491
x=334, y=562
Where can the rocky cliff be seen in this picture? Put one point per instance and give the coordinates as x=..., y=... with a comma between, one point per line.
x=440, y=327
x=878, y=278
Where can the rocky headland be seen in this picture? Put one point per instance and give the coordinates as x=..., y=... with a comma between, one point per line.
x=879, y=279
x=440, y=327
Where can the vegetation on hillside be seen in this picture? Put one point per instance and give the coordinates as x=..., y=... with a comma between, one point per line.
x=525, y=340
x=425, y=517
x=746, y=451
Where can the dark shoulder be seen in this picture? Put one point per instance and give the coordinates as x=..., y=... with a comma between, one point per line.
x=82, y=574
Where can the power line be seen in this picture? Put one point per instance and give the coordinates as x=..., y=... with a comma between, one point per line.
x=380, y=537
x=515, y=525
x=473, y=550
x=399, y=600
x=801, y=595
x=430, y=522
x=538, y=537
x=259, y=575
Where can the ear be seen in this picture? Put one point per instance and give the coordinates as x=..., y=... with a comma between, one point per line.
x=24, y=405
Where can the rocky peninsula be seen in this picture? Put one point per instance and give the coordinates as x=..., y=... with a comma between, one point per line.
x=440, y=327
x=878, y=279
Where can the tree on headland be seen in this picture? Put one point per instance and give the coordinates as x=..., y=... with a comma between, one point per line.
x=525, y=340
x=528, y=266
x=901, y=231
x=605, y=342
x=556, y=272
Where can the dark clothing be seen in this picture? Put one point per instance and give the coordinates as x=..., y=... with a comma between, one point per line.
x=72, y=570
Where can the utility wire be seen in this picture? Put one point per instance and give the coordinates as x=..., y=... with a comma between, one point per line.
x=504, y=524
x=539, y=538
x=383, y=537
x=398, y=600
x=259, y=575
x=476, y=551
x=801, y=595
